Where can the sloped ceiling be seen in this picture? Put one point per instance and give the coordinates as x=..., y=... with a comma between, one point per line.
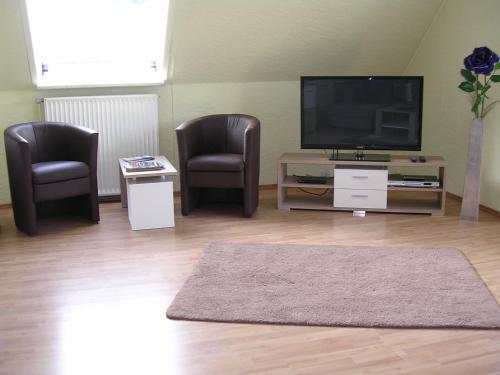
x=263, y=40
x=14, y=67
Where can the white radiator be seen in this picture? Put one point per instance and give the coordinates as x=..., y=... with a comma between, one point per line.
x=127, y=126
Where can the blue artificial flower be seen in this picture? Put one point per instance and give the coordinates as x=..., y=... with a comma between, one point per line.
x=481, y=61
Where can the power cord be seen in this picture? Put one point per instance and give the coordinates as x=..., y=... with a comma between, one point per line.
x=317, y=194
x=312, y=193
x=327, y=189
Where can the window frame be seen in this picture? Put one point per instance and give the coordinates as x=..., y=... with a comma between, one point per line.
x=165, y=68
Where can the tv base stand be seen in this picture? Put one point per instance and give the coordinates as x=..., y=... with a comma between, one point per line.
x=361, y=186
x=360, y=156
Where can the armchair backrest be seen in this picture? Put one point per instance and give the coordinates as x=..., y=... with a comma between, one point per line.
x=235, y=133
x=47, y=140
x=212, y=134
x=221, y=134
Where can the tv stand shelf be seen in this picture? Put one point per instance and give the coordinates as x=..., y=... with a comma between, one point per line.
x=291, y=181
x=425, y=200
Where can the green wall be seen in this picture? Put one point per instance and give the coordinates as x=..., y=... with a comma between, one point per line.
x=276, y=104
x=17, y=106
x=234, y=64
x=459, y=26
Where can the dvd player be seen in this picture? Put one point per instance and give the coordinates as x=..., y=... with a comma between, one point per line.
x=319, y=180
x=399, y=180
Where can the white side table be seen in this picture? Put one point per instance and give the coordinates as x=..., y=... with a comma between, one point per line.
x=149, y=196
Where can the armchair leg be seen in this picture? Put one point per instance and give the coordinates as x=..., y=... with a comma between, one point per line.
x=94, y=209
x=190, y=198
x=184, y=210
x=31, y=230
x=86, y=206
x=25, y=218
x=250, y=200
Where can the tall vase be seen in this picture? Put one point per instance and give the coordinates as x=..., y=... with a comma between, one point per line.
x=472, y=183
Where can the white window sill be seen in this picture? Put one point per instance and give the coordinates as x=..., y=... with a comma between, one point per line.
x=53, y=86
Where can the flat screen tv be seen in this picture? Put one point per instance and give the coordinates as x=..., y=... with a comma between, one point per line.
x=358, y=113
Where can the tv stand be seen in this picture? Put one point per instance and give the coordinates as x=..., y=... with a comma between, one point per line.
x=361, y=185
x=359, y=155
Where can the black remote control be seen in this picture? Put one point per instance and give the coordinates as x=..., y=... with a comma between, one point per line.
x=422, y=159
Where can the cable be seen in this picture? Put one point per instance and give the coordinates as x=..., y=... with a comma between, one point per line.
x=317, y=194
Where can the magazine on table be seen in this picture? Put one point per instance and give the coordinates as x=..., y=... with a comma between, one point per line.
x=139, y=158
x=143, y=166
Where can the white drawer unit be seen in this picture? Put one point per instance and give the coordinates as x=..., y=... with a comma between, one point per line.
x=148, y=195
x=150, y=202
x=355, y=178
x=350, y=198
x=360, y=188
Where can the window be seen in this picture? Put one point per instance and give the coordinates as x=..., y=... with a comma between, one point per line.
x=97, y=42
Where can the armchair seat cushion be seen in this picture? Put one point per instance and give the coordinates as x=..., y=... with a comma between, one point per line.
x=56, y=171
x=216, y=179
x=61, y=189
x=216, y=163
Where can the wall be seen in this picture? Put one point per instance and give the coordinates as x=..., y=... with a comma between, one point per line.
x=276, y=104
x=459, y=26
x=280, y=40
x=231, y=56
x=17, y=106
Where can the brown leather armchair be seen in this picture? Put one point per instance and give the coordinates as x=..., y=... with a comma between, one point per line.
x=219, y=157
x=52, y=170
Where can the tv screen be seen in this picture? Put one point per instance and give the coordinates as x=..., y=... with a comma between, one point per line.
x=373, y=113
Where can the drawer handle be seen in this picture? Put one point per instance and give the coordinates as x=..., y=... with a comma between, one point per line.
x=359, y=195
x=359, y=176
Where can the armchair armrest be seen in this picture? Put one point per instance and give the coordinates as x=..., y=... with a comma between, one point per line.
x=251, y=152
x=83, y=143
x=251, y=146
x=18, y=156
x=188, y=140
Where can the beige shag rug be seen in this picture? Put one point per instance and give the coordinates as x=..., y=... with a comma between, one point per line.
x=336, y=286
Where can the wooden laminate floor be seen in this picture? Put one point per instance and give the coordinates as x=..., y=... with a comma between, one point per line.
x=91, y=299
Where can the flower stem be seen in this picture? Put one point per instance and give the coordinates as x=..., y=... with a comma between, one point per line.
x=476, y=111
x=483, y=98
